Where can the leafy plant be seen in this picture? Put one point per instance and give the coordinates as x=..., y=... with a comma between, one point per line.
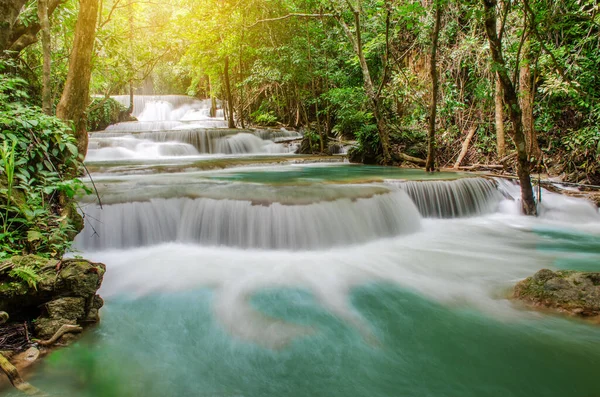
x=27, y=274
x=39, y=158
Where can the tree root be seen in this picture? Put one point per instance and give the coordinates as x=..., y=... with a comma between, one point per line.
x=15, y=378
x=65, y=329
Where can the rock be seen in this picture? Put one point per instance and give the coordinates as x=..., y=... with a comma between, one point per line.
x=45, y=328
x=72, y=308
x=576, y=293
x=3, y=317
x=65, y=293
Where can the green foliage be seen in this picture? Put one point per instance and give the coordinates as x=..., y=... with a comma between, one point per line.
x=264, y=116
x=103, y=112
x=38, y=158
x=27, y=274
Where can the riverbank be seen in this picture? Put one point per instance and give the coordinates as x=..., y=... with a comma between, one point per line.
x=44, y=303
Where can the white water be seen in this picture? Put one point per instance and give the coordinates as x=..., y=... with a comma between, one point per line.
x=172, y=121
x=246, y=224
x=232, y=236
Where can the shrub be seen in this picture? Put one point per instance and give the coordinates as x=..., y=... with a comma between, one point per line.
x=38, y=159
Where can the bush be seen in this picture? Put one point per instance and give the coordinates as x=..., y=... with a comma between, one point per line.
x=38, y=159
x=263, y=118
x=103, y=112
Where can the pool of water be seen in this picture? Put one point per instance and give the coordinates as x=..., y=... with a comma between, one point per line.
x=258, y=275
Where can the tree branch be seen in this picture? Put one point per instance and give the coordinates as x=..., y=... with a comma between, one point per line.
x=292, y=15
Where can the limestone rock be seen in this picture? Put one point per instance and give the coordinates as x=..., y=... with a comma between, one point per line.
x=577, y=293
x=64, y=293
x=72, y=308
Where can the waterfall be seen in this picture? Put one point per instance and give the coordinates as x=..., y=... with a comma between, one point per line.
x=141, y=102
x=201, y=140
x=242, y=223
x=550, y=205
x=453, y=199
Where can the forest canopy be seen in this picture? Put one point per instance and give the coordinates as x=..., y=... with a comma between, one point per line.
x=348, y=71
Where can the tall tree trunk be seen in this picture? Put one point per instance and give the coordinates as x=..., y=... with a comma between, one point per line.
x=526, y=96
x=9, y=14
x=16, y=35
x=372, y=94
x=314, y=94
x=46, y=50
x=499, y=116
x=132, y=55
x=430, y=162
x=498, y=100
x=230, y=120
x=511, y=99
x=131, y=99
x=76, y=93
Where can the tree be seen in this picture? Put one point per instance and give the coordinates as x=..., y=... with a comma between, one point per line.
x=374, y=95
x=16, y=35
x=46, y=50
x=511, y=99
x=430, y=162
x=75, y=97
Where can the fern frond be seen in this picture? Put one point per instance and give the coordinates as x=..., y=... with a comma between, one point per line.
x=27, y=274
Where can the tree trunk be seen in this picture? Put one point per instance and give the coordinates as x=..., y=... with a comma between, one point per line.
x=46, y=50
x=430, y=162
x=9, y=17
x=373, y=96
x=75, y=96
x=14, y=34
x=213, y=100
x=131, y=99
x=230, y=120
x=511, y=99
x=526, y=100
x=499, y=105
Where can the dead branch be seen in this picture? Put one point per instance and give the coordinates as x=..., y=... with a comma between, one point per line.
x=292, y=15
x=408, y=158
x=15, y=378
x=482, y=166
x=465, y=146
x=65, y=329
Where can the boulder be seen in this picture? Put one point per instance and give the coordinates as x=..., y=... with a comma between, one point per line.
x=63, y=293
x=572, y=292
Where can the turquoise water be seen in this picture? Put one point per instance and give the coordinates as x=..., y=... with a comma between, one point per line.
x=330, y=173
x=421, y=311
x=171, y=345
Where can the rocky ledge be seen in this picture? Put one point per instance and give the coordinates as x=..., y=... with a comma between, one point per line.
x=571, y=292
x=50, y=294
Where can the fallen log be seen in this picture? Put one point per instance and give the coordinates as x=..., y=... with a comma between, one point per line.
x=408, y=158
x=16, y=380
x=65, y=329
x=482, y=166
x=465, y=146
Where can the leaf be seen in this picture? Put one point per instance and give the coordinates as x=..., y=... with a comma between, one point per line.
x=34, y=235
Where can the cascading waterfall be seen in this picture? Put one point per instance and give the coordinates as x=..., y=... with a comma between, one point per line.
x=240, y=223
x=453, y=199
x=174, y=118
x=112, y=145
x=141, y=102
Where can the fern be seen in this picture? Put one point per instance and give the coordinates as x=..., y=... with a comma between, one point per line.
x=27, y=274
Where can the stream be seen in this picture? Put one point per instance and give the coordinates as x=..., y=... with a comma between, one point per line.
x=237, y=268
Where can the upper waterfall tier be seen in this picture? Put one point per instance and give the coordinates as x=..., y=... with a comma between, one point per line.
x=168, y=107
x=116, y=145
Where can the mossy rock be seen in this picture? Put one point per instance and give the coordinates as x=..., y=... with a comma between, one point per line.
x=576, y=293
x=76, y=278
